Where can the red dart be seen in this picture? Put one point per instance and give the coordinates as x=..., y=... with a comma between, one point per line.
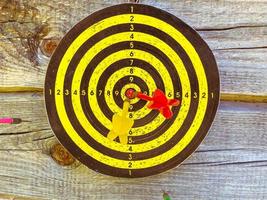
x=160, y=102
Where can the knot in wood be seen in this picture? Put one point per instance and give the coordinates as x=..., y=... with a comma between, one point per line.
x=48, y=46
x=61, y=155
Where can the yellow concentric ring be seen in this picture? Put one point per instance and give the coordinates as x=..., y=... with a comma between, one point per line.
x=107, y=62
x=137, y=114
x=143, y=19
x=128, y=86
x=117, y=76
x=103, y=65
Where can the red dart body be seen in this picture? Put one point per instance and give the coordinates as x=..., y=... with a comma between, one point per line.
x=160, y=102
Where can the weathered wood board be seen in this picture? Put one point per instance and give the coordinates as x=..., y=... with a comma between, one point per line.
x=235, y=30
x=230, y=164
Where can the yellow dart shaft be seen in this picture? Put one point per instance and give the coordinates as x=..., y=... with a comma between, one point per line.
x=125, y=109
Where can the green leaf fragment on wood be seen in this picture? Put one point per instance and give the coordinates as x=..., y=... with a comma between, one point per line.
x=166, y=196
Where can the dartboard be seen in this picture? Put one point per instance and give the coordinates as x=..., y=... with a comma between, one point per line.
x=131, y=91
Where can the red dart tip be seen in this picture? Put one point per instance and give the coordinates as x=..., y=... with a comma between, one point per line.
x=130, y=93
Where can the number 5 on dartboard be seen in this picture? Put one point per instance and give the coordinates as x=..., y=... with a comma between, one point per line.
x=106, y=101
x=131, y=45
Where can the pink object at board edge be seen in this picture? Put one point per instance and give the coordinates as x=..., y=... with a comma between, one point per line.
x=6, y=121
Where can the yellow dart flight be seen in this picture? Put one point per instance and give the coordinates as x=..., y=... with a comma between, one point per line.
x=121, y=125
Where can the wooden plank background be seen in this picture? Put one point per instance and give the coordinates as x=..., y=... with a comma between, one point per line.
x=230, y=164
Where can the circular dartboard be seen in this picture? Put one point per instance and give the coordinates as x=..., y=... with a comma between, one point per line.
x=125, y=49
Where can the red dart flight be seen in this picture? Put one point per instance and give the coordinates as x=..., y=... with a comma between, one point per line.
x=160, y=102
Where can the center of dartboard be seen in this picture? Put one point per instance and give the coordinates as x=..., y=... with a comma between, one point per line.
x=130, y=93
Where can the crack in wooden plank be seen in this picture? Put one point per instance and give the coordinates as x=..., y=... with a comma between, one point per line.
x=218, y=150
x=44, y=138
x=17, y=133
x=241, y=48
x=247, y=98
x=20, y=89
x=230, y=28
x=15, y=21
x=264, y=165
x=15, y=197
x=202, y=163
x=240, y=163
x=234, y=149
x=224, y=163
x=21, y=150
x=23, y=132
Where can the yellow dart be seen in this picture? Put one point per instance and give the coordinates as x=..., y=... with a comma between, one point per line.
x=83, y=88
x=121, y=124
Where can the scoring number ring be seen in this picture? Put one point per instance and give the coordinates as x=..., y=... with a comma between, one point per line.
x=107, y=142
x=101, y=158
x=108, y=61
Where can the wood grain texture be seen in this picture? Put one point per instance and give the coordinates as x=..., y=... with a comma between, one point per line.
x=230, y=164
x=236, y=31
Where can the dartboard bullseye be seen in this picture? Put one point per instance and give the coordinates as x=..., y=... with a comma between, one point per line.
x=131, y=91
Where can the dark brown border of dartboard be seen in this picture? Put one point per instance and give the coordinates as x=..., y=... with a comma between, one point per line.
x=200, y=46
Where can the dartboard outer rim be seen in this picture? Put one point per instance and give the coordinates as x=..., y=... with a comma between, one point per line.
x=78, y=154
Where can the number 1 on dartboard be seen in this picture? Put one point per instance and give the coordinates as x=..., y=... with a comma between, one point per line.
x=132, y=35
x=119, y=89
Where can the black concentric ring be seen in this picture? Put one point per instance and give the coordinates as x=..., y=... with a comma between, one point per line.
x=200, y=47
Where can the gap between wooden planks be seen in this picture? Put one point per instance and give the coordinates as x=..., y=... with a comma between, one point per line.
x=224, y=96
x=14, y=197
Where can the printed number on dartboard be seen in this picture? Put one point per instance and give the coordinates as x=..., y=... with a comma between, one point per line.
x=67, y=92
x=142, y=60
